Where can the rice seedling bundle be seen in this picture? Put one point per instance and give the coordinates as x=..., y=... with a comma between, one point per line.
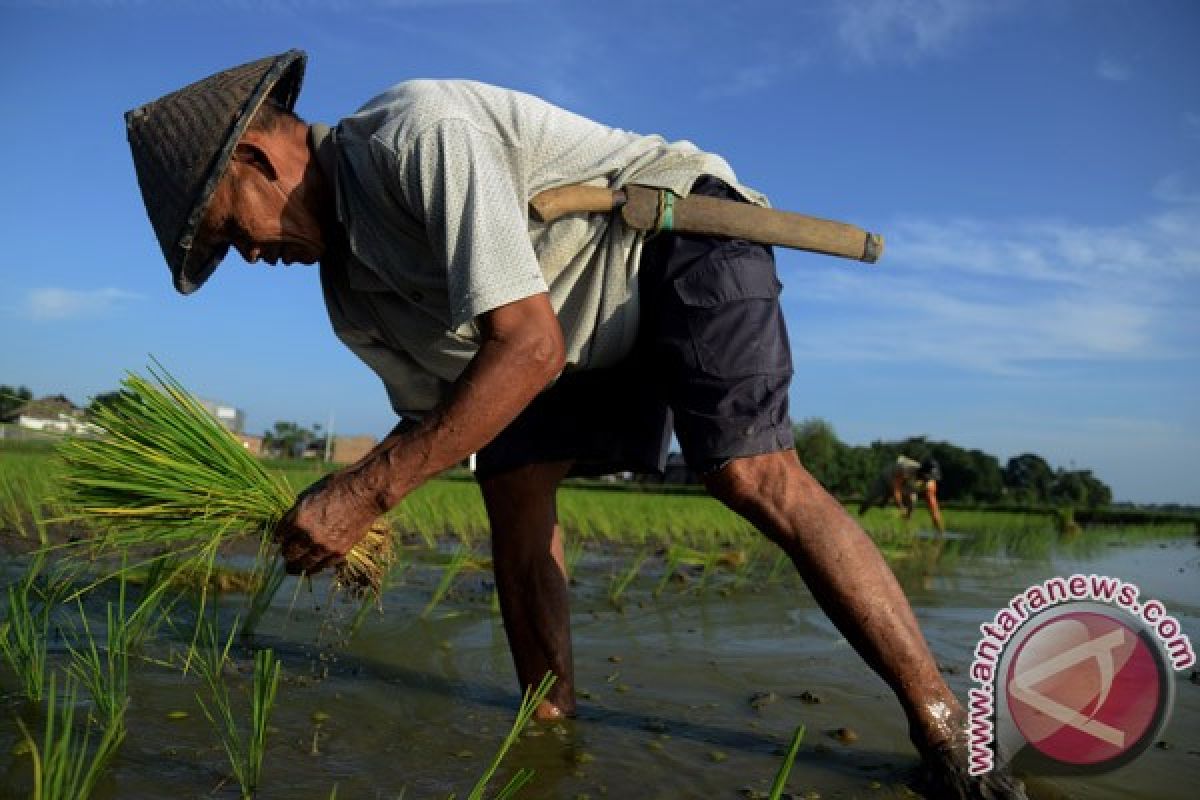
x=166, y=474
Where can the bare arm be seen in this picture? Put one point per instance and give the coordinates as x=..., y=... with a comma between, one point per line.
x=521, y=350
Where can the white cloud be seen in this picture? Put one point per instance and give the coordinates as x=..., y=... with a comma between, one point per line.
x=756, y=77
x=1110, y=70
x=745, y=80
x=1009, y=297
x=1054, y=251
x=55, y=303
x=906, y=30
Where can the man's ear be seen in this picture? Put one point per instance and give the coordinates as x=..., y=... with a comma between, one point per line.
x=253, y=151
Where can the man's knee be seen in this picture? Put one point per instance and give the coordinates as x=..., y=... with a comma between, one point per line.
x=760, y=487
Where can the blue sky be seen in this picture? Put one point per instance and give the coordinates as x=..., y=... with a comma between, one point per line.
x=1034, y=167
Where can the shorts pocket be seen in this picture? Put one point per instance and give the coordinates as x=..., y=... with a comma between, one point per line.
x=731, y=304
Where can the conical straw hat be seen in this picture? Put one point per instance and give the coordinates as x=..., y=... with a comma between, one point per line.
x=182, y=144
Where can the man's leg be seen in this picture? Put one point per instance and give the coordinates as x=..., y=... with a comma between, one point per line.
x=531, y=578
x=849, y=579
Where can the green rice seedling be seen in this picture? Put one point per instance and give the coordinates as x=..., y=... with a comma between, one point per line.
x=366, y=605
x=14, y=503
x=709, y=563
x=745, y=568
x=781, y=560
x=25, y=633
x=443, y=508
x=209, y=658
x=674, y=557
x=23, y=640
x=620, y=581
x=245, y=753
x=105, y=671
x=678, y=556
x=268, y=581
x=106, y=676
x=152, y=607
x=786, y=767
x=573, y=554
x=27, y=481
x=262, y=699
x=533, y=697
x=65, y=767
x=460, y=559
x=369, y=602
x=167, y=475
x=157, y=601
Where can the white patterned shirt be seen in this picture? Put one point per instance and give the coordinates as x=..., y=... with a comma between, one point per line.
x=433, y=183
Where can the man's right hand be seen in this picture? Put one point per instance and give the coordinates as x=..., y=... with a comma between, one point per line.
x=326, y=521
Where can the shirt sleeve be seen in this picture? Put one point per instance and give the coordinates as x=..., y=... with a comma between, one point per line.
x=462, y=183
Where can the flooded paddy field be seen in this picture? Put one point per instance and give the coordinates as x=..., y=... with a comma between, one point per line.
x=691, y=676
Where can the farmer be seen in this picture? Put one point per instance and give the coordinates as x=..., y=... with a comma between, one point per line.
x=543, y=348
x=901, y=481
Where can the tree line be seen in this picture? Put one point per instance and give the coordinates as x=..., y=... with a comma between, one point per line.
x=969, y=477
x=12, y=398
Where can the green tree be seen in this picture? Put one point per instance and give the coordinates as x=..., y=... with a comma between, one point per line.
x=1079, y=489
x=103, y=399
x=1028, y=478
x=819, y=450
x=287, y=440
x=958, y=473
x=987, y=484
x=11, y=399
x=968, y=476
x=857, y=469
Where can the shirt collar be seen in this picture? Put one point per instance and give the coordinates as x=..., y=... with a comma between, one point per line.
x=322, y=141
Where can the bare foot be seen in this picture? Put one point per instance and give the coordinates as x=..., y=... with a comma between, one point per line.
x=946, y=775
x=549, y=712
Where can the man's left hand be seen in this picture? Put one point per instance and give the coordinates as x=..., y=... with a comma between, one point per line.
x=327, y=520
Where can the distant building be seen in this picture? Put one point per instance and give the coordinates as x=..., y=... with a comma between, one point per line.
x=252, y=443
x=55, y=414
x=232, y=418
x=348, y=449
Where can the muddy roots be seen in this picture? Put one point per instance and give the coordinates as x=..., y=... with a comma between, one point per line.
x=368, y=561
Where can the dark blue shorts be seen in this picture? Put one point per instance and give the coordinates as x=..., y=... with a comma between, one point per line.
x=712, y=362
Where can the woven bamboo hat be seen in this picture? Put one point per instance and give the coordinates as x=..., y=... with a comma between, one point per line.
x=182, y=144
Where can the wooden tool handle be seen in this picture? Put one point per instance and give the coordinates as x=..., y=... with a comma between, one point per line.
x=551, y=204
x=642, y=209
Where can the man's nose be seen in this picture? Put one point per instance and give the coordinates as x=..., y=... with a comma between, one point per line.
x=248, y=251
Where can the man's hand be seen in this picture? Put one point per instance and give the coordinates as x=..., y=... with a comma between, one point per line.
x=328, y=519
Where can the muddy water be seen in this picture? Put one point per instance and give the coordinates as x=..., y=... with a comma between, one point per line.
x=415, y=707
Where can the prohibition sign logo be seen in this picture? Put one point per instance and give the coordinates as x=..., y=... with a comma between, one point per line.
x=1087, y=690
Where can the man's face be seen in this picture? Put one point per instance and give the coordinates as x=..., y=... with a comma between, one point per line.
x=263, y=211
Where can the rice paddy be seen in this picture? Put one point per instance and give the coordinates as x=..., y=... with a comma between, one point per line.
x=239, y=661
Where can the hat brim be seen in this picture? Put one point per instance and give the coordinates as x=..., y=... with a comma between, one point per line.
x=200, y=259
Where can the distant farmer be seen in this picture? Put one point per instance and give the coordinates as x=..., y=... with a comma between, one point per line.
x=901, y=481
x=542, y=347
